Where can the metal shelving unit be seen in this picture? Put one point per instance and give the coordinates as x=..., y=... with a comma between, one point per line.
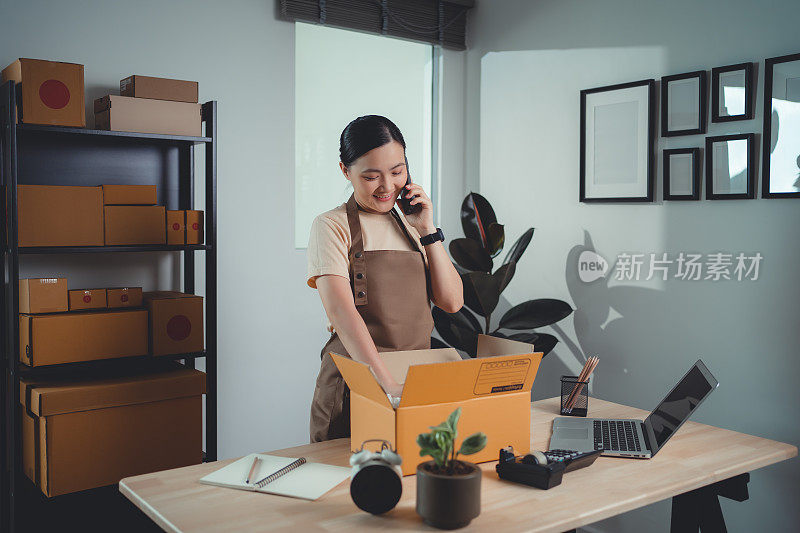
x=54, y=155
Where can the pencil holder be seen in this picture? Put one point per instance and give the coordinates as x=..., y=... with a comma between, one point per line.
x=574, y=396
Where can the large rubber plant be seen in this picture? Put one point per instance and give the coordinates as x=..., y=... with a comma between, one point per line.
x=475, y=258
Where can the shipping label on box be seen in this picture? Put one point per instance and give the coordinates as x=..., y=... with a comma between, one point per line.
x=58, y=215
x=134, y=224
x=176, y=322
x=124, y=297
x=43, y=295
x=82, y=299
x=492, y=390
x=51, y=92
x=176, y=227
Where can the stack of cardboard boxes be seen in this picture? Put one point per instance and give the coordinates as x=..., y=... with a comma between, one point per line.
x=151, y=105
x=81, y=433
x=56, y=215
x=93, y=426
x=52, y=93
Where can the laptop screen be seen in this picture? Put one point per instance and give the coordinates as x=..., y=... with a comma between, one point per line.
x=679, y=404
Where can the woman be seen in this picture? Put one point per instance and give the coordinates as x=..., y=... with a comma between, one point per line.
x=376, y=270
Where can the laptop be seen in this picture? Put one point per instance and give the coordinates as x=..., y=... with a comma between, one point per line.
x=637, y=438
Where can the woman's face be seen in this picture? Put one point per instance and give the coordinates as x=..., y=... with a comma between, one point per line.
x=378, y=177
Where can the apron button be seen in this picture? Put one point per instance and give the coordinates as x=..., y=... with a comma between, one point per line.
x=361, y=294
x=359, y=275
x=358, y=255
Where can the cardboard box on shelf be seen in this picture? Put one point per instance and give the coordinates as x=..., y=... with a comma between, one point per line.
x=51, y=91
x=59, y=215
x=129, y=195
x=83, y=299
x=194, y=227
x=159, y=88
x=176, y=227
x=134, y=224
x=176, y=322
x=75, y=337
x=124, y=297
x=493, y=391
x=43, y=295
x=145, y=115
x=82, y=434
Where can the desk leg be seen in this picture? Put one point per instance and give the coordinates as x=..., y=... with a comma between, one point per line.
x=700, y=509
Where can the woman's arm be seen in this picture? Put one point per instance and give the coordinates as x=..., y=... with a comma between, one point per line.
x=337, y=298
x=448, y=292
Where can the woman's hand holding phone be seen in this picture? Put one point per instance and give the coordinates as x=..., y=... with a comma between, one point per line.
x=422, y=218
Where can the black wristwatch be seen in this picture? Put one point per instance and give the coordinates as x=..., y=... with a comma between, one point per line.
x=432, y=238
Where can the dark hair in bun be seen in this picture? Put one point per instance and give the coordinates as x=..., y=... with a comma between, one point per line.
x=367, y=133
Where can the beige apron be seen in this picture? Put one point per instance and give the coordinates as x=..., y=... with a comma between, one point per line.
x=390, y=289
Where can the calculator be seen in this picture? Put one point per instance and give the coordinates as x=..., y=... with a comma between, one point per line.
x=572, y=459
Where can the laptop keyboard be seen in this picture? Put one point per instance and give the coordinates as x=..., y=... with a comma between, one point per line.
x=616, y=435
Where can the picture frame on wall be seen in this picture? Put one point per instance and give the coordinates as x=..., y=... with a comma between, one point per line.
x=683, y=104
x=732, y=93
x=682, y=174
x=730, y=167
x=781, y=142
x=617, y=140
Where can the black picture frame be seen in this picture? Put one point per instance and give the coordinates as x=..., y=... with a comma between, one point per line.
x=702, y=100
x=766, y=153
x=696, y=155
x=749, y=99
x=751, y=167
x=650, y=84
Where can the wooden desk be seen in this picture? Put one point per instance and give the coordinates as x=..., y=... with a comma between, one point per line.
x=177, y=502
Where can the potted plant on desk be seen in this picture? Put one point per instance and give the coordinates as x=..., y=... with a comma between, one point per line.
x=448, y=490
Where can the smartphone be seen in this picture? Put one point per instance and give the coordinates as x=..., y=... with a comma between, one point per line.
x=405, y=203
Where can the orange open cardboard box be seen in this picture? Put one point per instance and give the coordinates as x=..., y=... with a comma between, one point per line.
x=493, y=391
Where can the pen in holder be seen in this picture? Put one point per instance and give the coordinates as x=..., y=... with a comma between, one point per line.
x=574, y=396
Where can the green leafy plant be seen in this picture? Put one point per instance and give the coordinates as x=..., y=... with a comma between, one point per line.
x=474, y=257
x=440, y=443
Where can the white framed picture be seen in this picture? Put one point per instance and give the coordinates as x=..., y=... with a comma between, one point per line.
x=617, y=139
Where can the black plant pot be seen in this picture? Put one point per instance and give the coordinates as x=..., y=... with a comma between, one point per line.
x=448, y=501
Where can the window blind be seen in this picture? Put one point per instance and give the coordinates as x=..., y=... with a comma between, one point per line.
x=432, y=21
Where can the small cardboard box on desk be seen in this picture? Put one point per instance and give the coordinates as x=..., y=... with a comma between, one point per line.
x=493, y=391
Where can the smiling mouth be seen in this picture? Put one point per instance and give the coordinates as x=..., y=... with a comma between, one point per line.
x=384, y=197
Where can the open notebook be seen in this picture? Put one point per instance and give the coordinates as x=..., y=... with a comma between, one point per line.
x=308, y=481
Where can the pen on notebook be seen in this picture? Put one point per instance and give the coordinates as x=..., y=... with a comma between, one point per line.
x=253, y=468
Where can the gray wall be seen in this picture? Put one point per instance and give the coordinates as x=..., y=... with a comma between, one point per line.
x=526, y=63
x=271, y=325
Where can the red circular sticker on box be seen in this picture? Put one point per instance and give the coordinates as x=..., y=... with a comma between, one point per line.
x=176, y=226
x=87, y=299
x=179, y=327
x=195, y=225
x=54, y=94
